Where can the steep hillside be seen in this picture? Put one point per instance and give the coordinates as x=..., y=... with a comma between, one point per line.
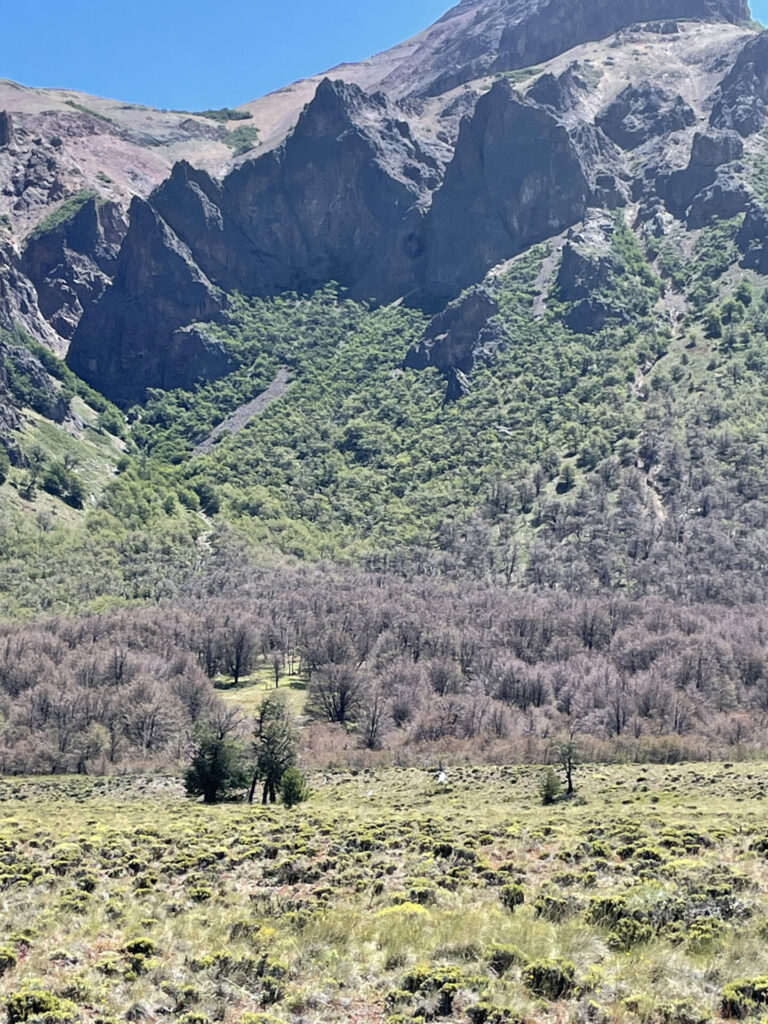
x=490, y=304
x=60, y=150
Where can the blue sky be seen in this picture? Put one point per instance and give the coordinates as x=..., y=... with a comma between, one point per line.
x=193, y=54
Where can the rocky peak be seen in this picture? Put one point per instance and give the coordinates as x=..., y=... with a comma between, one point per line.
x=520, y=174
x=6, y=128
x=158, y=289
x=742, y=99
x=478, y=37
x=555, y=26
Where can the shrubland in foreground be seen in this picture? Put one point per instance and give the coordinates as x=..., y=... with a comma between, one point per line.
x=387, y=897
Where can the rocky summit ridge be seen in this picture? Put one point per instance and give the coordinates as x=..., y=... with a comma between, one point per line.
x=407, y=177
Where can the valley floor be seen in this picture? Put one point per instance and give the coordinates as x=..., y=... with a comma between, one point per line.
x=387, y=897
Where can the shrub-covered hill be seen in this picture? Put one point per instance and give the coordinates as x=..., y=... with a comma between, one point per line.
x=389, y=898
x=628, y=458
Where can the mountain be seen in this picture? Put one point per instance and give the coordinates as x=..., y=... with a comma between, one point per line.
x=383, y=193
x=491, y=301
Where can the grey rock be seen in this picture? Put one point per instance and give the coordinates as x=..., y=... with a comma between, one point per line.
x=72, y=265
x=342, y=199
x=6, y=129
x=643, y=112
x=458, y=338
x=129, y=340
x=18, y=300
x=714, y=148
x=10, y=416
x=561, y=92
x=728, y=195
x=587, y=275
x=741, y=102
x=710, y=151
x=47, y=399
x=519, y=175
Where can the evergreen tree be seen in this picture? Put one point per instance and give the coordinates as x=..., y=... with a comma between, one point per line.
x=276, y=746
x=293, y=788
x=550, y=788
x=217, y=768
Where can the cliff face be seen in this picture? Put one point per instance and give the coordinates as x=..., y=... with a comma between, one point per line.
x=742, y=100
x=158, y=289
x=18, y=299
x=71, y=265
x=354, y=196
x=340, y=200
x=520, y=174
x=409, y=176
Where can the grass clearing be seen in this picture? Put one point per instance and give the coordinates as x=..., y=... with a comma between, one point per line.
x=251, y=689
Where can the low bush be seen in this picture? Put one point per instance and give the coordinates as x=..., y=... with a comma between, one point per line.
x=550, y=979
x=744, y=997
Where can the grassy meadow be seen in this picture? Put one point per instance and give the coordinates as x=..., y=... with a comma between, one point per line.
x=387, y=897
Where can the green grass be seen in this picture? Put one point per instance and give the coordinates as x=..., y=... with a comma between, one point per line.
x=383, y=895
x=250, y=691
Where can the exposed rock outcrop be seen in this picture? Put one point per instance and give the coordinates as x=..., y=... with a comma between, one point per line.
x=130, y=340
x=561, y=92
x=458, y=338
x=752, y=238
x=72, y=264
x=741, y=102
x=643, y=112
x=710, y=151
x=602, y=279
x=369, y=191
x=6, y=129
x=18, y=300
x=728, y=195
x=519, y=175
x=341, y=199
x=588, y=274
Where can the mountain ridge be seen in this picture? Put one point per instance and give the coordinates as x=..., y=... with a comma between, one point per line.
x=524, y=322
x=440, y=205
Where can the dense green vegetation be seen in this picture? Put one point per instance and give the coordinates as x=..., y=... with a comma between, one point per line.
x=225, y=114
x=572, y=461
x=242, y=139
